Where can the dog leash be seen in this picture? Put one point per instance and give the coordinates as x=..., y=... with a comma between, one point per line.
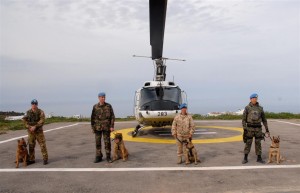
x=179, y=140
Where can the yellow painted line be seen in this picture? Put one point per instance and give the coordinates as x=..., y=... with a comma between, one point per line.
x=127, y=137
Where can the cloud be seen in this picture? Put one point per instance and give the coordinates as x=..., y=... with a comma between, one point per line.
x=65, y=52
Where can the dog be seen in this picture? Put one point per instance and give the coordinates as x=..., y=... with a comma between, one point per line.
x=22, y=153
x=274, y=151
x=120, y=150
x=190, y=154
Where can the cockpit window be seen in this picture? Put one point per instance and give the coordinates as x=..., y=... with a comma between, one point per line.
x=160, y=93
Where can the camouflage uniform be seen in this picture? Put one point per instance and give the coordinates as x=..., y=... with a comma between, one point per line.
x=182, y=127
x=252, y=117
x=102, y=119
x=36, y=118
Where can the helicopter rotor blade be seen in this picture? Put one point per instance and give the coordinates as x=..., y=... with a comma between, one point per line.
x=158, y=9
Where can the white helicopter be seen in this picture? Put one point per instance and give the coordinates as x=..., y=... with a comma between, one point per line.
x=157, y=102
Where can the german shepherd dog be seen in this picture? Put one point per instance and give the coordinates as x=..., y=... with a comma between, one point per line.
x=274, y=151
x=120, y=150
x=190, y=154
x=22, y=153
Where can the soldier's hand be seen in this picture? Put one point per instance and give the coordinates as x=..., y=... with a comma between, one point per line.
x=112, y=129
x=268, y=134
x=32, y=128
x=175, y=136
x=190, y=135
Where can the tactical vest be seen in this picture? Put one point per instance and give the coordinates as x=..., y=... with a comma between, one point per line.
x=33, y=117
x=254, y=114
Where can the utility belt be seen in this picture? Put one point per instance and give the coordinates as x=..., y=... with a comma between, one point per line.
x=254, y=125
x=100, y=122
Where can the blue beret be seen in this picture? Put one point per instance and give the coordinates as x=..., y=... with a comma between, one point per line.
x=183, y=105
x=254, y=95
x=101, y=94
x=34, y=101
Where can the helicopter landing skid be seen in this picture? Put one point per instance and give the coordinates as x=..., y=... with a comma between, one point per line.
x=136, y=130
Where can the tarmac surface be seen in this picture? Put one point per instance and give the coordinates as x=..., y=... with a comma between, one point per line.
x=151, y=167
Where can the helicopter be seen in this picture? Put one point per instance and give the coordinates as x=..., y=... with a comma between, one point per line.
x=157, y=102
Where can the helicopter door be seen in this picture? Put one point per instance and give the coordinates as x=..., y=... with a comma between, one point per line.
x=184, y=97
x=137, y=103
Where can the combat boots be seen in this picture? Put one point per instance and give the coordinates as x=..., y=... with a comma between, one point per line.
x=260, y=160
x=98, y=159
x=108, y=159
x=179, y=161
x=245, y=159
x=45, y=162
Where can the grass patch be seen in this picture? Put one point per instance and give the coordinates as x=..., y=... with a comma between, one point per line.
x=18, y=124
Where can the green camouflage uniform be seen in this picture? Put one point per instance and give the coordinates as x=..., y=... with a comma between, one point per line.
x=182, y=127
x=252, y=117
x=102, y=119
x=37, y=119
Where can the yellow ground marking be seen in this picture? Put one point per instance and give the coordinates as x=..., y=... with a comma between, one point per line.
x=127, y=137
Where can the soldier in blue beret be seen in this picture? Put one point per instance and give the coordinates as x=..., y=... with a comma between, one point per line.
x=183, y=128
x=34, y=121
x=253, y=116
x=102, y=122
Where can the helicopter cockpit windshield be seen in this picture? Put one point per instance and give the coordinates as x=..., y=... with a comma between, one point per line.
x=160, y=98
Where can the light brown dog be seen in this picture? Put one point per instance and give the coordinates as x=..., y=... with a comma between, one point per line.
x=120, y=150
x=190, y=154
x=274, y=150
x=22, y=153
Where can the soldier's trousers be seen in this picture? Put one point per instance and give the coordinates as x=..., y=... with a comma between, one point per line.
x=258, y=135
x=106, y=139
x=180, y=146
x=40, y=138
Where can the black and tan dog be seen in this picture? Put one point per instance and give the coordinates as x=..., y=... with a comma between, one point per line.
x=120, y=150
x=190, y=154
x=22, y=153
x=274, y=150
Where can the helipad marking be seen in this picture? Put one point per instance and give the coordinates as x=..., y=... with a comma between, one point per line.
x=214, y=168
x=287, y=122
x=24, y=136
x=128, y=137
x=196, y=133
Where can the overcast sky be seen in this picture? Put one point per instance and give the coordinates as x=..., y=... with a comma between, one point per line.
x=63, y=52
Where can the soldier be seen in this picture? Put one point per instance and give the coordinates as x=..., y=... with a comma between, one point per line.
x=183, y=128
x=102, y=122
x=252, y=117
x=34, y=121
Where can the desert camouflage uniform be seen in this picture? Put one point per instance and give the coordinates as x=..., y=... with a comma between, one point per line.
x=102, y=119
x=182, y=127
x=252, y=117
x=37, y=119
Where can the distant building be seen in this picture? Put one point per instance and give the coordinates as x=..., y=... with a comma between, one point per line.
x=214, y=114
x=77, y=116
x=14, y=118
x=239, y=112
